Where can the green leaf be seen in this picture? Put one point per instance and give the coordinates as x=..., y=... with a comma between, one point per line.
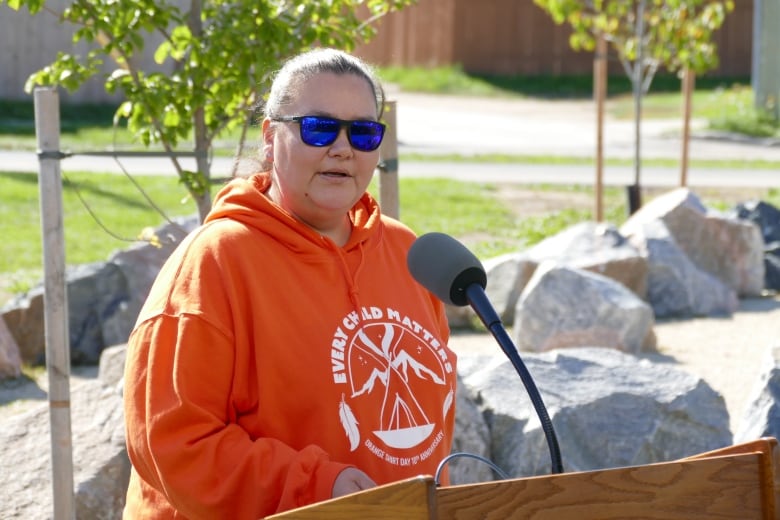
x=162, y=52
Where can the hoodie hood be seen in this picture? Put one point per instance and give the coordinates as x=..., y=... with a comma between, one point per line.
x=244, y=200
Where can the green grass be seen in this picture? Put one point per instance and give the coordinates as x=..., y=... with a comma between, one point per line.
x=116, y=203
x=453, y=80
x=486, y=222
x=488, y=227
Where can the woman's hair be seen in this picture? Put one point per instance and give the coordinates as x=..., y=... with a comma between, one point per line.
x=300, y=68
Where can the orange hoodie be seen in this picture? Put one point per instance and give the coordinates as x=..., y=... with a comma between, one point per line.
x=267, y=359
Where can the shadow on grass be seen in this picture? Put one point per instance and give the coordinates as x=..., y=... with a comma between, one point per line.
x=85, y=188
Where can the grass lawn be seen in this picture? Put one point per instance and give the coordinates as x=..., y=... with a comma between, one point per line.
x=120, y=215
x=104, y=213
x=487, y=227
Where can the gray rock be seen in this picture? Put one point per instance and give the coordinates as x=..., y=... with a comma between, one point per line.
x=24, y=317
x=472, y=438
x=103, y=299
x=730, y=249
x=676, y=287
x=140, y=264
x=100, y=463
x=112, y=366
x=762, y=418
x=94, y=291
x=595, y=247
x=506, y=276
x=609, y=409
x=10, y=358
x=567, y=307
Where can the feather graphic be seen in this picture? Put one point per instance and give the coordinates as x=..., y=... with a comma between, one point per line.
x=349, y=423
x=448, y=401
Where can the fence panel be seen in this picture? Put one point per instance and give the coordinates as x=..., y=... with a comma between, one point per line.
x=489, y=36
x=518, y=37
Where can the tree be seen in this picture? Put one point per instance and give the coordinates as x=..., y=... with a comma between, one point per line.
x=645, y=35
x=215, y=61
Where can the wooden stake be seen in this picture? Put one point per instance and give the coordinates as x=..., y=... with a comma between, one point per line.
x=388, y=173
x=688, y=81
x=599, y=93
x=47, y=128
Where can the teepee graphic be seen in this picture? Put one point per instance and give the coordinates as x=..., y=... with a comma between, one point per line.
x=380, y=353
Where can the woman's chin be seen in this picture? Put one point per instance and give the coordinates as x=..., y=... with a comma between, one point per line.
x=336, y=200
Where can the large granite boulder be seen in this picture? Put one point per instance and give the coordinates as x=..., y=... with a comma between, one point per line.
x=569, y=307
x=104, y=299
x=762, y=418
x=767, y=218
x=101, y=468
x=595, y=247
x=730, y=249
x=608, y=408
x=676, y=287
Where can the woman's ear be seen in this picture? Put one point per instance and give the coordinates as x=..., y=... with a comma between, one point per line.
x=268, y=141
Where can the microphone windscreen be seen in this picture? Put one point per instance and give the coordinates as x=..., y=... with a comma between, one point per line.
x=445, y=267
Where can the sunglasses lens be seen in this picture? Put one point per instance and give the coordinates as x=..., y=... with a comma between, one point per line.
x=319, y=131
x=366, y=136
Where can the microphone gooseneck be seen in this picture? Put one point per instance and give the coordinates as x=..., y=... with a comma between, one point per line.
x=449, y=270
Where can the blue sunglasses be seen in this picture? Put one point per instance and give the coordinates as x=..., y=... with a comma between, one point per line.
x=320, y=131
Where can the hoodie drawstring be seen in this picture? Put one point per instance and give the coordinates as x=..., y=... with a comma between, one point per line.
x=354, y=293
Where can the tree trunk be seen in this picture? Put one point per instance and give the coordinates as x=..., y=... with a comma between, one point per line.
x=687, y=87
x=635, y=194
x=599, y=92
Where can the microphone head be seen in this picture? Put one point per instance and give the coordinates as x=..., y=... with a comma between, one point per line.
x=445, y=267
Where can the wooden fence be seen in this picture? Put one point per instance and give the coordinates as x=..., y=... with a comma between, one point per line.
x=485, y=36
x=518, y=37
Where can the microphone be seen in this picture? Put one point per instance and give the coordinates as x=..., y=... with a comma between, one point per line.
x=455, y=275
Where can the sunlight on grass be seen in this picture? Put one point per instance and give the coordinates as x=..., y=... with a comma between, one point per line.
x=115, y=201
x=474, y=213
x=728, y=108
x=486, y=225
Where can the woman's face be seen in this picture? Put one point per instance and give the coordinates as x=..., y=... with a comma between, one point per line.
x=319, y=185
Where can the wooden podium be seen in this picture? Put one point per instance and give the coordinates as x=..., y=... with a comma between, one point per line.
x=738, y=482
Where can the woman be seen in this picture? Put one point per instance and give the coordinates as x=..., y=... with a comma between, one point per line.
x=285, y=355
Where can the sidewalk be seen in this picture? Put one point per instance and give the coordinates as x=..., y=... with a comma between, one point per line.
x=445, y=124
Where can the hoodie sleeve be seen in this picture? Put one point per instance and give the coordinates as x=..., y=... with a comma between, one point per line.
x=182, y=442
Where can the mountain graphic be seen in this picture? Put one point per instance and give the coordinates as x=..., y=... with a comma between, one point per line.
x=393, y=370
x=404, y=361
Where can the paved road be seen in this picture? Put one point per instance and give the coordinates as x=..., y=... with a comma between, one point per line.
x=435, y=125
